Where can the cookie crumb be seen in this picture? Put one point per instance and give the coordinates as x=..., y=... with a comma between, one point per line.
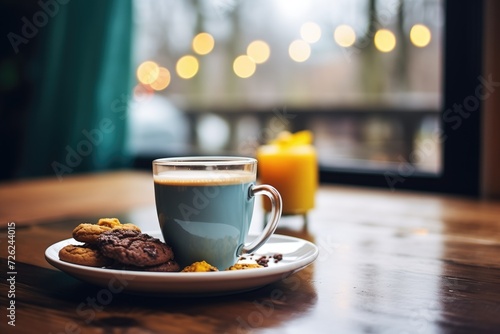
x=244, y=266
x=263, y=261
x=198, y=267
x=277, y=257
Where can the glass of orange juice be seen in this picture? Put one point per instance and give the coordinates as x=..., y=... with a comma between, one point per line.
x=289, y=163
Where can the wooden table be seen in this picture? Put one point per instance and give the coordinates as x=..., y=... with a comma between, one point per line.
x=389, y=262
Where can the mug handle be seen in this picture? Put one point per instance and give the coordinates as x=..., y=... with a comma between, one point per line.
x=270, y=227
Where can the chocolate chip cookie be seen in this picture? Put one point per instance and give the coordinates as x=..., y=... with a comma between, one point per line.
x=133, y=248
x=87, y=232
x=84, y=255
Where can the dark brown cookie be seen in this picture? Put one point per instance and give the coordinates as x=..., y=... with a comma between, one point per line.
x=170, y=266
x=133, y=248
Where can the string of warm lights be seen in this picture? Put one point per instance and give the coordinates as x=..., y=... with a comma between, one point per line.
x=154, y=77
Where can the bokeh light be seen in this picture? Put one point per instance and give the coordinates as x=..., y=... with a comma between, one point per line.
x=310, y=32
x=344, y=35
x=299, y=51
x=147, y=72
x=163, y=79
x=203, y=43
x=420, y=35
x=384, y=40
x=187, y=67
x=244, y=66
x=259, y=51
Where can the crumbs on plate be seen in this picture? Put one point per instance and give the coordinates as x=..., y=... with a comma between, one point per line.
x=199, y=267
x=263, y=260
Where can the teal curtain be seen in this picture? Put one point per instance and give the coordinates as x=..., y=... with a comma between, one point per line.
x=79, y=117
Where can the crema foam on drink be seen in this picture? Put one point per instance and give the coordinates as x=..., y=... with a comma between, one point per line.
x=203, y=177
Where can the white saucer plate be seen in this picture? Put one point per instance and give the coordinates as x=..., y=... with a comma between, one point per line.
x=297, y=254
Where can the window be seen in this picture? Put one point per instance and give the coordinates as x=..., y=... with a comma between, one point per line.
x=373, y=80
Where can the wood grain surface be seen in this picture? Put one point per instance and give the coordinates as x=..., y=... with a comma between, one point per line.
x=390, y=262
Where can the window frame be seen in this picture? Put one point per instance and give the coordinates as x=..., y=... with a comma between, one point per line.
x=460, y=134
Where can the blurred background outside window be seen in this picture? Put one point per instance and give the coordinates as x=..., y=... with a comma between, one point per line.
x=222, y=77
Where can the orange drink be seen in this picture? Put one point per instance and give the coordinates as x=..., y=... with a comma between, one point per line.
x=289, y=164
